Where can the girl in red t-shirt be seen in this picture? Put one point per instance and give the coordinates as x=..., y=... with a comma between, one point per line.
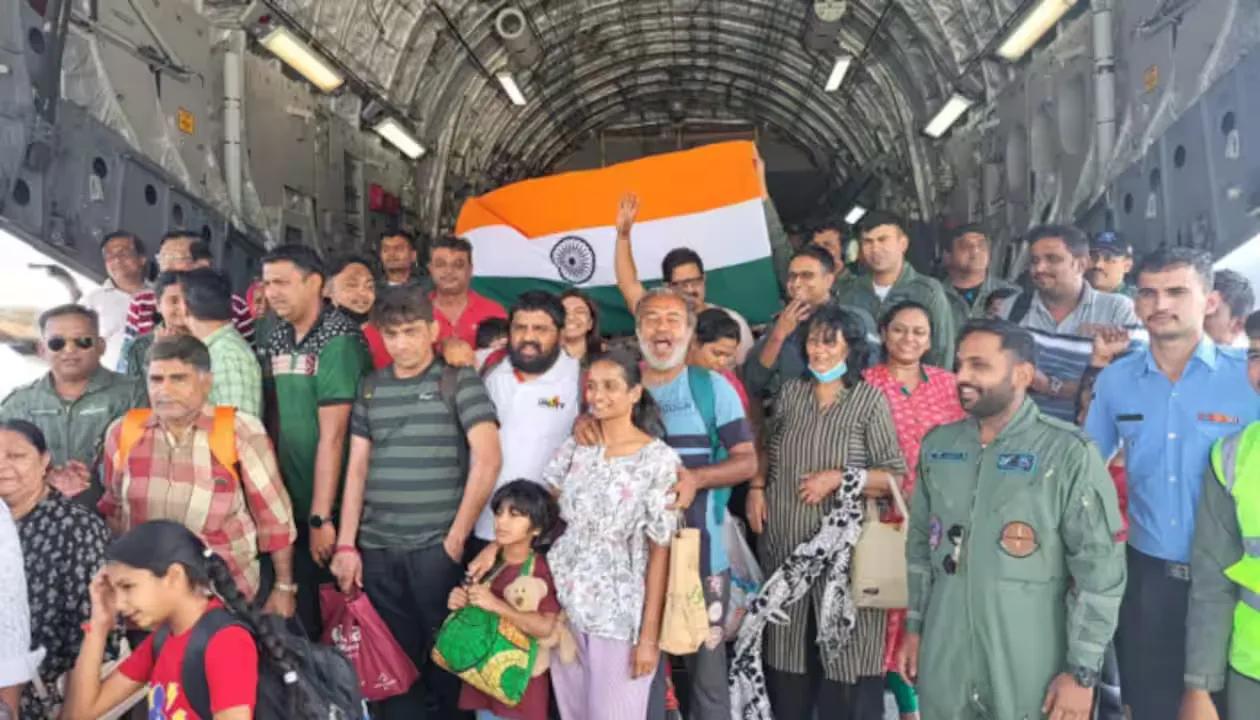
x=161, y=575
x=524, y=512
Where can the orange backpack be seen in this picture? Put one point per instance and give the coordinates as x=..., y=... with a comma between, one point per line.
x=222, y=437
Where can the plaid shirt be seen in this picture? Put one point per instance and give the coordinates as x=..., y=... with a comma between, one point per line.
x=237, y=375
x=181, y=481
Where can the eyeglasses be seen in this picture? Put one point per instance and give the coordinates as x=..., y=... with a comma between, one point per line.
x=689, y=284
x=57, y=343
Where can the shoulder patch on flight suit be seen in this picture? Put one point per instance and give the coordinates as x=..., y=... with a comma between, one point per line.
x=1019, y=539
x=1016, y=462
x=947, y=455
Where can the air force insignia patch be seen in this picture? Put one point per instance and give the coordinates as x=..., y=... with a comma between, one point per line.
x=1016, y=462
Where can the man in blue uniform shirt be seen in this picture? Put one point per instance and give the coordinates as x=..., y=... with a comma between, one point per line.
x=1165, y=406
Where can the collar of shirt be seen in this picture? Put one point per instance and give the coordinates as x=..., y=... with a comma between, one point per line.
x=204, y=423
x=1205, y=352
x=219, y=334
x=1072, y=321
x=1024, y=417
x=100, y=380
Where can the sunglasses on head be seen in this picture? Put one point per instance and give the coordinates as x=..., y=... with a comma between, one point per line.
x=58, y=343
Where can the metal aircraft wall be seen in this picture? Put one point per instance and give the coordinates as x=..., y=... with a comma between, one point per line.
x=1186, y=163
x=139, y=134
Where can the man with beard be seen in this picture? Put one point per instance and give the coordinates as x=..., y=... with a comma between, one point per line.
x=535, y=395
x=1065, y=314
x=1015, y=575
x=682, y=271
x=780, y=353
x=1165, y=406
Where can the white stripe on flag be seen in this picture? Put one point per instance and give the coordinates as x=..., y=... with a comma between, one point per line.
x=725, y=236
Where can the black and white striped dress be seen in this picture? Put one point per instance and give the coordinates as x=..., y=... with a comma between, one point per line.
x=856, y=430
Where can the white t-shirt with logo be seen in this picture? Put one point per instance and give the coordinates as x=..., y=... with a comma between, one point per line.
x=535, y=418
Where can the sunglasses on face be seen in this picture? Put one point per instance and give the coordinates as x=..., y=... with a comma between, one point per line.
x=58, y=343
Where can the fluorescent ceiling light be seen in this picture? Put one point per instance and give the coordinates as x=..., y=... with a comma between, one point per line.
x=510, y=87
x=299, y=56
x=1036, y=23
x=397, y=135
x=838, y=71
x=855, y=215
x=948, y=115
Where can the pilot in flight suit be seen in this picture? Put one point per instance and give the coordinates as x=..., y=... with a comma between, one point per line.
x=1014, y=568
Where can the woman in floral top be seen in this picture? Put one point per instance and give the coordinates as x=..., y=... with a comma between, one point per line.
x=921, y=397
x=63, y=545
x=610, y=565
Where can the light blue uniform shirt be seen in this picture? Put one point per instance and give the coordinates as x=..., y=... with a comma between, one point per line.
x=1166, y=430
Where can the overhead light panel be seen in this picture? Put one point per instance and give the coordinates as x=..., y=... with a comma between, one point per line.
x=1035, y=24
x=510, y=87
x=298, y=55
x=398, y=136
x=948, y=115
x=838, y=72
x=855, y=215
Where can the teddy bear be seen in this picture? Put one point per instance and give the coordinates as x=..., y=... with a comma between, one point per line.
x=526, y=593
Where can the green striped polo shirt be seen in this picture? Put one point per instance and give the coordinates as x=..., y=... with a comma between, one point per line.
x=414, y=482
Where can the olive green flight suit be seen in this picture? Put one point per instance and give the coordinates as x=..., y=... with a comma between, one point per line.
x=910, y=285
x=1015, y=571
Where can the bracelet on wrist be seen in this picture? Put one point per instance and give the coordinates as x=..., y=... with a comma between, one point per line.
x=285, y=588
x=338, y=550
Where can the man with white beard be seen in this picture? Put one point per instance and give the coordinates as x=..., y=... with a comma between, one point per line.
x=705, y=423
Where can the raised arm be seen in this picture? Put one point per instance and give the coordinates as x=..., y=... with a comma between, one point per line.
x=628, y=283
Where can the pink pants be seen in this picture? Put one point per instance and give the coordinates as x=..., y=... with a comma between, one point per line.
x=597, y=684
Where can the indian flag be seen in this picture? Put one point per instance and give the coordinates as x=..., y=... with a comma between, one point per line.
x=558, y=232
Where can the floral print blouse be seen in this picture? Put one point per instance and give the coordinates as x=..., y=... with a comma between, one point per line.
x=63, y=545
x=612, y=507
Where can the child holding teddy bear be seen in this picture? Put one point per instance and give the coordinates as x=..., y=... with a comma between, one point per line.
x=523, y=513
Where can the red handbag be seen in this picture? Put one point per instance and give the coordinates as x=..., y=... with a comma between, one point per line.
x=352, y=625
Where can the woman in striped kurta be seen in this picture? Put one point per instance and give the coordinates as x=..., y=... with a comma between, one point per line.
x=825, y=421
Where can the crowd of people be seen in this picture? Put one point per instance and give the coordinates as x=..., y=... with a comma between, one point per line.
x=1078, y=454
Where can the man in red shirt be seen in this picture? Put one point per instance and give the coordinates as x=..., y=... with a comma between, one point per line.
x=457, y=309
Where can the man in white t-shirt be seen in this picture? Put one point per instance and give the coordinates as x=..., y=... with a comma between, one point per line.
x=536, y=393
x=124, y=263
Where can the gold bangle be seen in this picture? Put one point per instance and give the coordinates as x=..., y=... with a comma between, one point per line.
x=291, y=589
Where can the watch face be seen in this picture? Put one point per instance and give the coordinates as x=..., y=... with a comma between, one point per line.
x=316, y=521
x=830, y=10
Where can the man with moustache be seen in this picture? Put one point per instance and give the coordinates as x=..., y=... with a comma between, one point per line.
x=968, y=282
x=1065, y=314
x=535, y=395
x=457, y=308
x=1015, y=575
x=1165, y=406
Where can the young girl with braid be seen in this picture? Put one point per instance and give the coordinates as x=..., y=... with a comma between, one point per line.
x=160, y=575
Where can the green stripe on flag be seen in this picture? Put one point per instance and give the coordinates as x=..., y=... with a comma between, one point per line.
x=748, y=288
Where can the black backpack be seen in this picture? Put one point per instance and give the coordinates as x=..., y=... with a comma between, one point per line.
x=325, y=679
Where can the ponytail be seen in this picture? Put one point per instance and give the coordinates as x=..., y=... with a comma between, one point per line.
x=157, y=545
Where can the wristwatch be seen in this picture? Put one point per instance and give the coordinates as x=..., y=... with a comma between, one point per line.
x=318, y=522
x=1085, y=677
x=1056, y=385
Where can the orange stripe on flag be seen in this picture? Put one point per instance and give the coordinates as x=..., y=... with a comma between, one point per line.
x=678, y=183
